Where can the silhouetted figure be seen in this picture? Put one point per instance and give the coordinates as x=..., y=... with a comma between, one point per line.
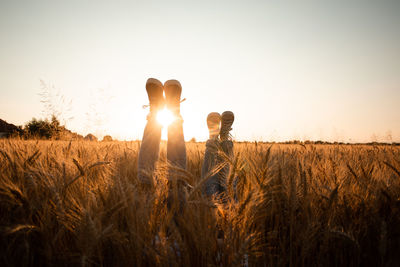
x=149, y=149
x=220, y=140
x=219, y=147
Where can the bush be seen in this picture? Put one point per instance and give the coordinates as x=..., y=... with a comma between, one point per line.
x=90, y=137
x=44, y=128
x=107, y=138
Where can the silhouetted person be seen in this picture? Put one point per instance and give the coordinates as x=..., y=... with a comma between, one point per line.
x=219, y=143
x=220, y=139
x=149, y=149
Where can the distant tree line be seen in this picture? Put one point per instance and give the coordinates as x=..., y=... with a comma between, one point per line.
x=44, y=129
x=318, y=142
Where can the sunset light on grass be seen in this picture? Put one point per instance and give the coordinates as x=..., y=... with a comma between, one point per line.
x=200, y=133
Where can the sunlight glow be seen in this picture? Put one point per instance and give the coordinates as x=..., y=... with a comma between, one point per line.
x=165, y=117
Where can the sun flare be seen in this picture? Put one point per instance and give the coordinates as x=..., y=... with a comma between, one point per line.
x=165, y=117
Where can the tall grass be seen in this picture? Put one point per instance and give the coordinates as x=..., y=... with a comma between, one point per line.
x=80, y=204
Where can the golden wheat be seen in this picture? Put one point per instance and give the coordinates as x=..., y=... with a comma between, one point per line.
x=80, y=203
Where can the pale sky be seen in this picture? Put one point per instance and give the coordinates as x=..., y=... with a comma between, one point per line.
x=318, y=70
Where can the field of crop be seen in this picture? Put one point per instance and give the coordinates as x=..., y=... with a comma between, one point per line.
x=80, y=204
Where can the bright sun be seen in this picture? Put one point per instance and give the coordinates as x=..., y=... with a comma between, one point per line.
x=165, y=117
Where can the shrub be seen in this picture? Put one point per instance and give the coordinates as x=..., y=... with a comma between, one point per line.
x=107, y=138
x=44, y=128
x=90, y=137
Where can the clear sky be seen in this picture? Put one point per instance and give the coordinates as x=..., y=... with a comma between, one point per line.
x=326, y=70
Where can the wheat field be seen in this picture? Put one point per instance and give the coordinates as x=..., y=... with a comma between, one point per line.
x=80, y=204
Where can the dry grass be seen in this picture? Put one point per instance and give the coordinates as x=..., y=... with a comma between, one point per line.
x=80, y=203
